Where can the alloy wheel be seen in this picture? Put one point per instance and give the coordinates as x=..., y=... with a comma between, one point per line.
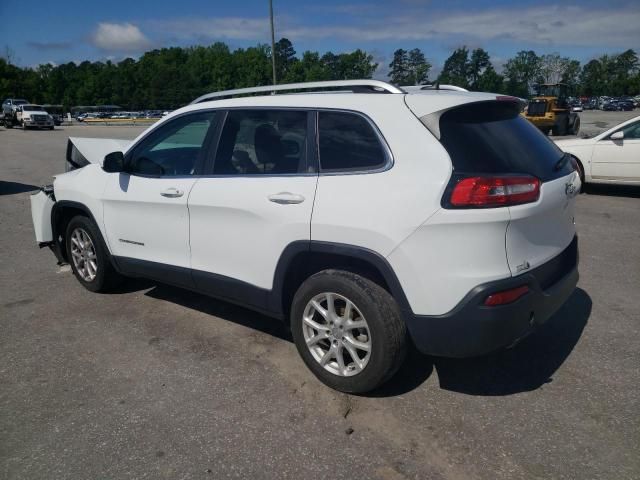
x=83, y=254
x=337, y=334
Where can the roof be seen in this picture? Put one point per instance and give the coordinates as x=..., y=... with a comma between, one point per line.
x=372, y=97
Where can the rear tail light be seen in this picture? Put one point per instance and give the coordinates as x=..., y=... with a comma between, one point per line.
x=506, y=296
x=494, y=191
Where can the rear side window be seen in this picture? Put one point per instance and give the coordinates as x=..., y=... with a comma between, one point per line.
x=493, y=138
x=267, y=142
x=348, y=142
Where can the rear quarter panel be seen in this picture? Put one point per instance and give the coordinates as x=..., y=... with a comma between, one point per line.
x=379, y=210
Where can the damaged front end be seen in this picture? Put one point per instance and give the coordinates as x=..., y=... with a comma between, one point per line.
x=42, y=204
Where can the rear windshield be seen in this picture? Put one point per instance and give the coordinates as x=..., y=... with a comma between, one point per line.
x=492, y=137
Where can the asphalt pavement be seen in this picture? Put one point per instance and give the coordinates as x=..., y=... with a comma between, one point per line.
x=156, y=382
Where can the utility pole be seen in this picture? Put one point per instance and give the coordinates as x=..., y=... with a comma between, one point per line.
x=273, y=44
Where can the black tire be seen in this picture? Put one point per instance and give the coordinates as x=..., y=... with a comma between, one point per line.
x=388, y=334
x=561, y=129
x=106, y=277
x=575, y=129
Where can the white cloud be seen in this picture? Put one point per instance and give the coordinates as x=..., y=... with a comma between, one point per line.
x=236, y=28
x=120, y=37
x=574, y=25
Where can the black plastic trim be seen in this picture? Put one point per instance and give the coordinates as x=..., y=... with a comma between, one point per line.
x=472, y=328
x=58, y=248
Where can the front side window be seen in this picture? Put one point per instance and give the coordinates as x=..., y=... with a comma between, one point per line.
x=632, y=132
x=348, y=142
x=174, y=148
x=263, y=142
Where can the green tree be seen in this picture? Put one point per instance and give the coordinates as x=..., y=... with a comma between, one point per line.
x=409, y=67
x=521, y=72
x=477, y=65
x=456, y=69
x=399, y=67
x=285, y=59
x=418, y=67
x=490, y=81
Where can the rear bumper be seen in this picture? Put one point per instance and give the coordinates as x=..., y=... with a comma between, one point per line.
x=472, y=328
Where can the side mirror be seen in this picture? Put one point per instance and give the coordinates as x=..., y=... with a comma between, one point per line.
x=619, y=135
x=113, y=162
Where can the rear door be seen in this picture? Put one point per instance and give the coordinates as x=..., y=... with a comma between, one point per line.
x=256, y=199
x=489, y=138
x=618, y=159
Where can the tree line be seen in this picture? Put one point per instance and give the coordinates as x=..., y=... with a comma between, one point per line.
x=171, y=77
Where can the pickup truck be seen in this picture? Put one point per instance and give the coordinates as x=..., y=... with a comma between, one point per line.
x=29, y=115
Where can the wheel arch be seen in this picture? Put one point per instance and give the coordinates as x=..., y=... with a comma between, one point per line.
x=581, y=170
x=61, y=214
x=302, y=259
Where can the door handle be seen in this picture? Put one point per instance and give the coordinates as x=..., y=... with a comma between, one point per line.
x=172, y=193
x=286, y=198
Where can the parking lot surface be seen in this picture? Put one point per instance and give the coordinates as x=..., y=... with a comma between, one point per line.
x=156, y=382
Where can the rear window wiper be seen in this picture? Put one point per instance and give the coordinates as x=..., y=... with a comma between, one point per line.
x=560, y=163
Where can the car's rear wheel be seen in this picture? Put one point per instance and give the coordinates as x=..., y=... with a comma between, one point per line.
x=88, y=256
x=348, y=330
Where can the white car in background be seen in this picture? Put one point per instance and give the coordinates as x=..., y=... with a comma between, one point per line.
x=610, y=157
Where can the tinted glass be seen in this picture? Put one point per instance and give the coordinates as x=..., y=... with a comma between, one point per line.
x=174, y=148
x=632, y=131
x=492, y=137
x=267, y=142
x=348, y=142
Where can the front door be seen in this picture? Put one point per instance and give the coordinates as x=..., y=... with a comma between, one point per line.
x=145, y=209
x=618, y=160
x=257, y=200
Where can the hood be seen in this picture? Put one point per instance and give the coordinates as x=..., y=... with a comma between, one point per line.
x=82, y=151
x=572, y=142
x=35, y=112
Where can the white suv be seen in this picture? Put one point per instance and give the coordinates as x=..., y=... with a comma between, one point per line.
x=365, y=216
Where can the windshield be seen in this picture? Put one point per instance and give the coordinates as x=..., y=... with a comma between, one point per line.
x=32, y=108
x=493, y=138
x=20, y=102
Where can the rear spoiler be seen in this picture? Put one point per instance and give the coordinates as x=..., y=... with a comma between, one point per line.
x=83, y=151
x=431, y=119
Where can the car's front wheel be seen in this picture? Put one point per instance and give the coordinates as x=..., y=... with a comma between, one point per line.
x=348, y=330
x=88, y=256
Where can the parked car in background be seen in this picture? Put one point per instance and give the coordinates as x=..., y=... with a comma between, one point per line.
x=576, y=107
x=219, y=198
x=625, y=105
x=610, y=106
x=611, y=157
x=34, y=116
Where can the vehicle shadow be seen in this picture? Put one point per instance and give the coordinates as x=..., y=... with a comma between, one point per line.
x=528, y=365
x=629, y=191
x=11, y=188
x=525, y=367
x=224, y=310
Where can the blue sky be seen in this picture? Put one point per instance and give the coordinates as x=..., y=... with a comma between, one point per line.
x=72, y=30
